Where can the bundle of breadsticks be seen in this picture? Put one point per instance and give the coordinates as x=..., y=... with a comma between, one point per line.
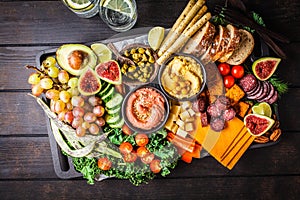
x=193, y=17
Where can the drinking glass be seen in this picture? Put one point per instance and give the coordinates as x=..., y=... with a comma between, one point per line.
x=83, y=8
x=119, y=15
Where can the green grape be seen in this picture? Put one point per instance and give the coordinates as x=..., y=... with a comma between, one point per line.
x=49, y=62
x=59, y=106
x=73, y=91
x=37, y=90
x=46, y=83
x=34, y=78
x=63, y=76
x=65, y=96
x=52, y=94
x=73, y=82
x=53, y=72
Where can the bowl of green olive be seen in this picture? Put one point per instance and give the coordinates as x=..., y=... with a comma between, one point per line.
x=138, y=66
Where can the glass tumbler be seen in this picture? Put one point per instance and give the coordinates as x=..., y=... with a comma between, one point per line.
x=83, y=8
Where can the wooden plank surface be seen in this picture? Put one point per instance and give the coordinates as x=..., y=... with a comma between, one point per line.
x=274, y=188
x=27, y=172
x=30, y=158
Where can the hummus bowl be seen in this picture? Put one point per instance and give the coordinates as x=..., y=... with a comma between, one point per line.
x=182, y=77
x=145, y=109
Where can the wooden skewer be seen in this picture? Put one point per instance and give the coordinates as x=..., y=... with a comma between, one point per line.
x=180, y=24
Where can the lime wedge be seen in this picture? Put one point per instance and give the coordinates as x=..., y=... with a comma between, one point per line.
x=122, y=6
x=78, y=4
x=262, y=109
x=102, y=51
x=155, y=37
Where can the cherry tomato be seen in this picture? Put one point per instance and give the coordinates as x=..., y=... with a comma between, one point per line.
x=228, y=81
x=147, y=158
x=142, y=151
x=130, y=157
x=126, y=130
x=125, y=148
x=104, y=163
x=155, y=166
x=141, y=139
x=237, y=71
x=224, y=69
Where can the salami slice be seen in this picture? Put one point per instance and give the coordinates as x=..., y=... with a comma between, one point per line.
x=274, y=98
x=217, y=124
x=270, y=93
x=266, y=89
x=259, y=92
x=248, y=82
x=255, y=89
x=229, y=114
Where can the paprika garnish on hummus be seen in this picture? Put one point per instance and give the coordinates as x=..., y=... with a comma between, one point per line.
x=145, y=108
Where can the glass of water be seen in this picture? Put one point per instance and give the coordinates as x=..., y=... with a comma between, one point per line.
x=119, y=15
x=83, y=8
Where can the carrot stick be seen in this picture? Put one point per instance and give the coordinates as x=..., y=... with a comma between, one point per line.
x=186, y=157
x=180, y=26
x=183, y=143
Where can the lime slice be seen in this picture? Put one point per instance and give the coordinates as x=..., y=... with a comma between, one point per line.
x=155, y=37
x=102, y=51
x=78, y=4
x=262, y=109
x=122, y=6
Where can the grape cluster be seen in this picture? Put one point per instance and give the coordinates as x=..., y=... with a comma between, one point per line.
x=83, y=113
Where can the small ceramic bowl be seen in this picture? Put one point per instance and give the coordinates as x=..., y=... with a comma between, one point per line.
x=134, y=108
x=172, y=87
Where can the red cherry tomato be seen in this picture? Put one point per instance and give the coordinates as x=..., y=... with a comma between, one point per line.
x=228, y=81
x=237, y=71
x=224, y=69
x=125, y=148
x=142, y=151
x=130, y=157
x=155, y=166
x=104, y=163
x=141, y=139
x=148, y=158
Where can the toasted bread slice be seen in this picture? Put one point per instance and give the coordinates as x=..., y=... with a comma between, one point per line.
x=243, y=50
x=217, y=48
x=232, y=44
x=200, y=42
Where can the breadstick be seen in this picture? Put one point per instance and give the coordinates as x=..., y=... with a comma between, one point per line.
x=186, y=10
x=183, y=38
x=180, y=27
x=201, y=12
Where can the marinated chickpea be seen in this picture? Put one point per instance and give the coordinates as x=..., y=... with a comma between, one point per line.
x=141, y=50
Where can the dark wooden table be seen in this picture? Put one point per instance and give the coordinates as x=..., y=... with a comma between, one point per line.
x=26, y=167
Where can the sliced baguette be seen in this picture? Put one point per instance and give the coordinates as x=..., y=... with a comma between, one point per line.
x=243, y=50
x=200, y=42
x=217, y=48
x=232, y=44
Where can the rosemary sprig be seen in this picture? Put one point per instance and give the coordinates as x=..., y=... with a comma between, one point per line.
x=280, y=85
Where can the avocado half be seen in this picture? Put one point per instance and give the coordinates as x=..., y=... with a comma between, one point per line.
x=74, y=58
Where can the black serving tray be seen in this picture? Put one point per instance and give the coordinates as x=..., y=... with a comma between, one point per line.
x=63, y=165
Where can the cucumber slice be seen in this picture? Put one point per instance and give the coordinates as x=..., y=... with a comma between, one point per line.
x=115, y=101
x=113, y=111
x=109, y=95
x=105, y=90
x=118, y=124
x=111, y=119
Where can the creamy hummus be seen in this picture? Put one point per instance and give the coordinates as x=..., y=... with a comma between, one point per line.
x=182, y=77
x=145, y=108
